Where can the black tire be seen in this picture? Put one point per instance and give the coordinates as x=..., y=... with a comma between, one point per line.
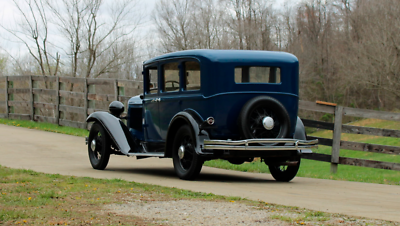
x=99, y=147
x=188, y=166
x=284, y=173
x=253, y=113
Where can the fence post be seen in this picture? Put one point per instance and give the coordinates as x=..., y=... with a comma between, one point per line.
x=57, y=113
x=337, y=131
x=85, y=101
x=32, y=99
x=6, y=96
x=116, y=89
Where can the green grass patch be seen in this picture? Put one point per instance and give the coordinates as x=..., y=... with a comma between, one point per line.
x=45, y=127
x=45, y=199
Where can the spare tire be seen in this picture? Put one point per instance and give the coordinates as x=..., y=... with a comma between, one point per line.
x=264, y=117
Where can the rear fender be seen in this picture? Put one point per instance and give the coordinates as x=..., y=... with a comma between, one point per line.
x=115, y=128
x=194, y=120
x=300, y=134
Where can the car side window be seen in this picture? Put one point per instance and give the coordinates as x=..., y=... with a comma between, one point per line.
x=248, y=74
x=152, y=80
x=192, y=75
x=171, y=76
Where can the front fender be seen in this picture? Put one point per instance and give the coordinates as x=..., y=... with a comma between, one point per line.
x=114, y=128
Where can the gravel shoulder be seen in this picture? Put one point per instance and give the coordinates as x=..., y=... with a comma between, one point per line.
x=194, y=212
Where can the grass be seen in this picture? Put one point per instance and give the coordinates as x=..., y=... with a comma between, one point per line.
x=31, y=198
x=308, y=168
x=45, y=127
x=28, y=197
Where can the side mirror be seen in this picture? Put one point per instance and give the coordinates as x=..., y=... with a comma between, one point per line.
x=116, y=108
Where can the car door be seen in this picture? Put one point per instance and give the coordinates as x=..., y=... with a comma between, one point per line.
x=151, y=123
x=170, y=90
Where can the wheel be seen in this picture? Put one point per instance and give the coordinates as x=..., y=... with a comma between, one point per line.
x=264, y=117
x=284, y=173
x=187, y=163
x=99, y=146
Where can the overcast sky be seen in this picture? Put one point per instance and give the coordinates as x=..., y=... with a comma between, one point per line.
x=9, y=13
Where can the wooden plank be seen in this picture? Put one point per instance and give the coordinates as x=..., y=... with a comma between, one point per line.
x=2, y=90
x=50, y=92
x=116, y=90
x=57, y=106
x=6, y=96
x=370, y=131
x=44, y=105
x=317, y=157
x=69, y=94
x=318, y=124
x=31, y=97
x=80, y=125
x=3, y=116
x=364, y=113
x=2, y=103
x=376, y=148
x=72, y=80
x=19, y=103
x=18, y=78
x=337, y=132
x=86, y=104
x=3, y=79
x=123, y=98
x=369, y=163
x=100, y=97
x=321, y=141
x=325, y=103
x=91, y=110
x=19, y=116
x=40, y=118
x=311, y=106
x=44, y=78
x=16, y=90
x=100, y=81
x=73, y=109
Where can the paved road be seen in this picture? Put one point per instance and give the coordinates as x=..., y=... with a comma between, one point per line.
x=67, y=155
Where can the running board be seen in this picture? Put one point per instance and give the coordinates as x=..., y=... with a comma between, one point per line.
x=154, y=154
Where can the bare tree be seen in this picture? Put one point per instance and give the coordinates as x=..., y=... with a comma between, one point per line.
x=94, y=35
x=33, y=32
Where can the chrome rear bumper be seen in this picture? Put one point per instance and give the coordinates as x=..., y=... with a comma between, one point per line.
x=261, y=145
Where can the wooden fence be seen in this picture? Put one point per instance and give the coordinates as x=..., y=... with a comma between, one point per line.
x=91, y=95
x=93, y=91
x=338, y=128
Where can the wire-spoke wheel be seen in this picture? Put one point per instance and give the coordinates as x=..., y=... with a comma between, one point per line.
x=187, y=163
x=284, y=173
x=264, y=117
x=99, y=147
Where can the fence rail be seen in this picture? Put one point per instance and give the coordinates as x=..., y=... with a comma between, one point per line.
x=338, y=128
x=90, y=97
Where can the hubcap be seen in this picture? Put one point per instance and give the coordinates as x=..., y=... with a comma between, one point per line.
x=268, y=123
x=93, y=145
x=181, y=152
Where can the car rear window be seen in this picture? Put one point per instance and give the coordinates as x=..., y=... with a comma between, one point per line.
x=250, y=74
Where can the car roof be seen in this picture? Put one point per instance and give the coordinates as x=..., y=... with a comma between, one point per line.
x=232, y=56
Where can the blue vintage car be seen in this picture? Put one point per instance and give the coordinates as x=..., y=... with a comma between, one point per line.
x=199, y=105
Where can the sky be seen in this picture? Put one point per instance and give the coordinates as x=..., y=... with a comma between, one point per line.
x=9, y=13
